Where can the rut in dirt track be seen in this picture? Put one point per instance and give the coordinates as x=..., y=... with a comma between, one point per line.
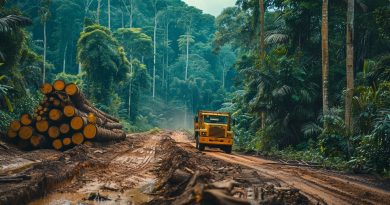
x=318, y=185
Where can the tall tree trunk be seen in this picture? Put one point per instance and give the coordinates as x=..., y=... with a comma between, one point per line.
x=185, y=115
x=64, y=62
x=262, y=49
x=325, y=56
x=86, y=9
x=131, y=13
x=109, y=14
x=44, y=49
x=130, y=92
x=154, y=49
x=187, y=52
x=98, y=12
x=262, y=34
x=123, y=22
x=223, y=74
x=349, y=66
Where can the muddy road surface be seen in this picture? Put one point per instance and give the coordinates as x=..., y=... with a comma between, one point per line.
x=163, y=167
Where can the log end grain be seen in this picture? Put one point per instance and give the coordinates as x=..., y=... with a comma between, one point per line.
x=59, y=85
x=71, y=89
x=25, y=119
x=15, y=125
x=42, y=126
x=77, y=123
x=77, y=138
x=55, y=114
x=69, y=111
x=53, y=132
x=57, y=144
x=25, y=132
x=90, y=131
x=46, y=88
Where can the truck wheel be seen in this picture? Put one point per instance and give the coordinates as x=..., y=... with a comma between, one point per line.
x=228, y=149
x=201, y=147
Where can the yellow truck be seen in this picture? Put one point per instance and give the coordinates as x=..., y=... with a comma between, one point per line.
x=213, y=129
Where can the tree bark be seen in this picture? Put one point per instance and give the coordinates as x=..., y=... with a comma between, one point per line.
x=109, y=14
x=325, y=57
x=98, y=12
x=108, y=135
x=154, y=49
x=349, y=66
x=64, y=61
x=262, y=34
x=44, y=49
x=131, y=13
x=262, y=48
x=187, y=52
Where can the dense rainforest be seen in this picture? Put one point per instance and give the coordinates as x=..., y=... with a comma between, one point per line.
x=305, y=79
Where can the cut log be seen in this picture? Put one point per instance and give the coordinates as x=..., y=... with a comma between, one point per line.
x=59, y=85
x=37, y=141
x=56, y=102
x=15, y=125
x=25, y=132
x=55, y=114
x=11, y=133
x=77, y=138
x=78, y=122
x=53, y=132
x=64, y=128
x=108, y=135
x=26, y=119
x=71, y=89
x=57, y=144
x=84, y=105
x=90, y=131
x=92, y=118
x=42, y=126
x=66, y=141
x=39, y=118
x=69, y=111
x=40, y=107
x=46, y=88
x=113, y=125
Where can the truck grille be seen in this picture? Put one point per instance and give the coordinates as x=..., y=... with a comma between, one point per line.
x=217, y=132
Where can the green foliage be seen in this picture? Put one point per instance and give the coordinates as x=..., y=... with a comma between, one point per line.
x=25, y=104
x=103, y=61
x=286, y=87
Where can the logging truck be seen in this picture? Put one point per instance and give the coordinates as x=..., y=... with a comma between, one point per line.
x=213, y=129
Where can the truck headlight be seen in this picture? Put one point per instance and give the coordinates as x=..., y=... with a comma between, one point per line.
x=204, y=133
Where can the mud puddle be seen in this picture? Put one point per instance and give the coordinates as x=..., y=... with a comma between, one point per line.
x=136, y=196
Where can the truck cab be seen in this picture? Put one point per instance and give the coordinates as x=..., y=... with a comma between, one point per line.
x=213, y=129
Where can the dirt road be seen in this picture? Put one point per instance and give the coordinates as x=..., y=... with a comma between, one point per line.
x=163, y=167
x=318, y=185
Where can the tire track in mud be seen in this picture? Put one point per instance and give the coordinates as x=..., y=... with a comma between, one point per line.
x=319, y=186
x=316, y=184
x=125, y=178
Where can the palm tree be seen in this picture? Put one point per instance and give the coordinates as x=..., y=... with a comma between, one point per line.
x=325, y=56
x=349, y=66
x=11, y=22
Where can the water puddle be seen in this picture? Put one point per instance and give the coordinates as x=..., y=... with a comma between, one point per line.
x=84, y=196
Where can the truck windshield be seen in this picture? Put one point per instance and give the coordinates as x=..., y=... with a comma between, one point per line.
x=215, y=119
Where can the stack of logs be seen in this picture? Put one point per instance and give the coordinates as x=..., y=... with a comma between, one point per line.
x=63, y=119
